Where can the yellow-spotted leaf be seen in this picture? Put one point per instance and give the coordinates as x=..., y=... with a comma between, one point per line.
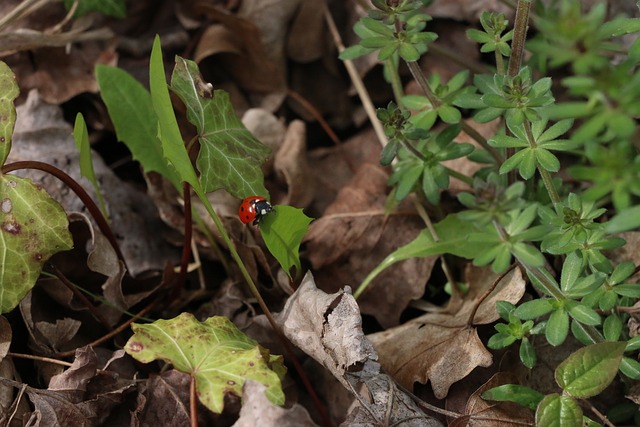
x=215, y=352
x=33, y=226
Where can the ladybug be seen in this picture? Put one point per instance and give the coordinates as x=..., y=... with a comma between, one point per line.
x=253, y=208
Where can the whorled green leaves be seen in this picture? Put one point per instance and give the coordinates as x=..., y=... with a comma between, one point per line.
x=33, y=226
x=215, y=352
x=230, y=156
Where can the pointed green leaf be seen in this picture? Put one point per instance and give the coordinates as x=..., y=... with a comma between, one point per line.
x=588, y=371
x=133, y=116
x=230, y=156
x=522, y=395
x=33, y=227
x=215, y=352
x=8, y=92
x=81, y=138
x=282, y=231
x=172, y=144
x=454, y=239
x=558, y=411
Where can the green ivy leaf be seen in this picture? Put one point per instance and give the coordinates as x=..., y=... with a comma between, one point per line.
x=588, y=371
x=215, y=352
x=559, y=411
x=282, y=231
x=33, y=226
x=230, y=156
x=522, y=395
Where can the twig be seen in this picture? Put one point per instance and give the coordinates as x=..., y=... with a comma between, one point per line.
x=76, y=292
x=487, y=293
x=356, y=80
x=40, y=358
x=119, y=329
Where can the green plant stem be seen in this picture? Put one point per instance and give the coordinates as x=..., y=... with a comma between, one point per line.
x=91, y=206
x=396, y=82
x=544, y=174
x=515, y=60
x=419, y=77
x=263, y=306
x=499, y=62
x=519, y=37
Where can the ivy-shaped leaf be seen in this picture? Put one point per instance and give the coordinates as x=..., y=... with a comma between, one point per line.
x=230, y=156
x=215, y=352
x=33, y=226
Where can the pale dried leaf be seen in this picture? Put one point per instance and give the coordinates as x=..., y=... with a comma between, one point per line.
x=328, y=327
x=383, y=404
x=257, y=410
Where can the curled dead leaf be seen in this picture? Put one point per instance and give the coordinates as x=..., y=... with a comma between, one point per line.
x=328, y=327
x=444, y=347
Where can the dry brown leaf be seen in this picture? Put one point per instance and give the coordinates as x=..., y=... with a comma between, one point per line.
x=327, y=327
x=306, y=39
x=258, y=410
x=291, y=163
x=354, y=235
x=268, y=129
x=383, y=404
x=441, y=347
x=167, y=398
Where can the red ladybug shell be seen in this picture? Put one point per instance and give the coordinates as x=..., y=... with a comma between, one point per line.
x=253, y=208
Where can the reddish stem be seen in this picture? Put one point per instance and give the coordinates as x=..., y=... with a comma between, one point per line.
x=93, y=209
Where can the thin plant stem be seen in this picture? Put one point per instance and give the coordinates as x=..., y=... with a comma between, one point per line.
x=443, y=262
x=186, y=244
x=356, y=80
x=519, y=37
x=515, y=59
x=91, y=206
x=193, y=402
x=40, y=359
x=544, y=174
x=265, y=309
x=117, y=330
x=76, y=292
x=396, y=82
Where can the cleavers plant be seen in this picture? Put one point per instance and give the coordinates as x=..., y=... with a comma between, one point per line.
x=562, y=230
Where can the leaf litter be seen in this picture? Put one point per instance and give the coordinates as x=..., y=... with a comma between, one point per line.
x=259, y=58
